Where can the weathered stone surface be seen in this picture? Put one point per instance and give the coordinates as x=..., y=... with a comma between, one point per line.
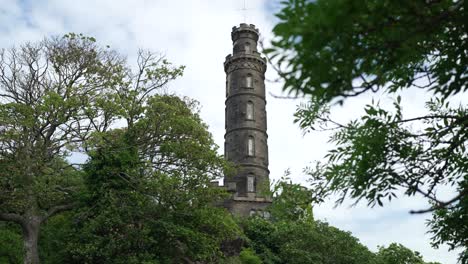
x=246, y=137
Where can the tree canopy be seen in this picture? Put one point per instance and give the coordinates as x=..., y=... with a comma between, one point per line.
x=397, y=253
x=330, y=51
x=341, y=48
x=49, y=92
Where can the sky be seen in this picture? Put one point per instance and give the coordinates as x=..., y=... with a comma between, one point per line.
x=196, y=33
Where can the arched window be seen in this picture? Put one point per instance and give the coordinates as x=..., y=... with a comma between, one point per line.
x=266, y=215
x=250, y=146
x=248, y=81
x=247, y=47
x=250, y=183
x=249, y=109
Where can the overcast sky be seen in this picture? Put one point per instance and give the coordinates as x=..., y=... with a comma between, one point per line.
x=196, y=33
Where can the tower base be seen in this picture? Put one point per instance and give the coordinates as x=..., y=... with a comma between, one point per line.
x=248, y=206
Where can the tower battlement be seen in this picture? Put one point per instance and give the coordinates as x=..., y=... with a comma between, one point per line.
x=245, y=30
x=244, y=38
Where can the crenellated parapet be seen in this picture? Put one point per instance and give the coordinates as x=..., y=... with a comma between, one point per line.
x=247, y=30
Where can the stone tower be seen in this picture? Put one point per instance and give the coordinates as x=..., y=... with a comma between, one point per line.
x=246, y=124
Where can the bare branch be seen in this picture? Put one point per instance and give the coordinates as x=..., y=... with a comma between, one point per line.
x=284, y=97
x=441, y=205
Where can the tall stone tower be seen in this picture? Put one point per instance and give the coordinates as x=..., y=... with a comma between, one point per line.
x=246, y=124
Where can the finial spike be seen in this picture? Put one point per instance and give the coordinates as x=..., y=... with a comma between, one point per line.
x=244, y=11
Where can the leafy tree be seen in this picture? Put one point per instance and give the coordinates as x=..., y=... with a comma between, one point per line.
x=291, y=201
x=333, y=50
x=53, y=96
x=291, y=235
x=149, y=191
x=304, y=242
x=148, y=183
x=47, y=90
x=399, y=254
x=342, y=48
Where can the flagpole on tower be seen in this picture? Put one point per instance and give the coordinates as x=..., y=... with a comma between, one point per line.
x=244, y=11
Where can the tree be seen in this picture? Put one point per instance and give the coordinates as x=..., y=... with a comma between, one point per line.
x=341, y=48
x=46, y=92
x=149, y=191
x=291, y=235
x=148, y=182
x=291, y=201
x=330, y=51
x=304, y=242
x=399, y=254
x=54, y=95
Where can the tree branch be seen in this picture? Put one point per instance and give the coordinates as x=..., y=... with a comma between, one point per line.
x=441, y=205
x=58, y=209
x=11, y=218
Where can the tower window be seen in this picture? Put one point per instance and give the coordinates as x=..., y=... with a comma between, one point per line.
x=248, y=81
x=250, y=183
x=249, y=110
x=250, y=146
x=247, y=47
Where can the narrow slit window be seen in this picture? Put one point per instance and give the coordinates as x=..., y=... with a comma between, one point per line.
x=250, y=183
x=249, y=110
x=247, y=47
x=248, y=81
x=250, y=146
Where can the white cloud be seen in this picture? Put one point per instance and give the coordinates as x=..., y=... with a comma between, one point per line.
x=197, y=34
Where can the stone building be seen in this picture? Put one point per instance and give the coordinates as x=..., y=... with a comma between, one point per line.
x=246, y=125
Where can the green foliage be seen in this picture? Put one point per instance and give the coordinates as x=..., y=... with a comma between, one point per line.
x=449, y=225
x=398, y=254
x=304, y=242
x=381, y=154
x=64, y=94
x=291, y=201
x=371, y=151
x=301, y=239
x=330, y=50
x=149, y=191
x=11, y=247
x=291, y=235
x=339, y=48
x=56, y=233
x=46, y=91
x=247, y=256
